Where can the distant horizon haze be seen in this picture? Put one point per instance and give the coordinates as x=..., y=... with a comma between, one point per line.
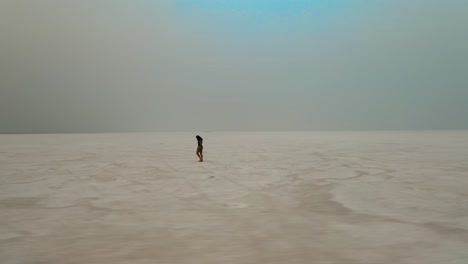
x=159, y=66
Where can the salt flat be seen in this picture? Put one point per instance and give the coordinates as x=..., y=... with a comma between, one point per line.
x=259, y=197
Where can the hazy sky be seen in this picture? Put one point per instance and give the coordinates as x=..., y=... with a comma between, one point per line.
x=194, y=65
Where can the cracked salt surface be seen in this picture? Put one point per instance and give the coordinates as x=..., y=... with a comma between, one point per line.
x=259, y=197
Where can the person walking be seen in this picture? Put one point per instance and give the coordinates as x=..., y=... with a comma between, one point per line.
x=200, y=148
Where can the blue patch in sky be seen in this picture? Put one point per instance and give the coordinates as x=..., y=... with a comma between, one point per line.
x=261, y=7
x=255, y=16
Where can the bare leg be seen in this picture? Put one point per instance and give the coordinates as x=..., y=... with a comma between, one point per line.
x=199, y=154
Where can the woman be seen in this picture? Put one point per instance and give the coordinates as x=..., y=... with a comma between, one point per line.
x=200, y=148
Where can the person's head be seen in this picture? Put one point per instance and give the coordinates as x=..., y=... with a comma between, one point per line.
x=198, y=137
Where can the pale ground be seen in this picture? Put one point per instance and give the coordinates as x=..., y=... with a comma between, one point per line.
x=306, y=197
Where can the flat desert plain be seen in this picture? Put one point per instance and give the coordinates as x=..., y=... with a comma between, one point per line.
x=259, y=197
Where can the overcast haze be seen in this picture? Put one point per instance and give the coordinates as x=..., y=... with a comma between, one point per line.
x=119, y=66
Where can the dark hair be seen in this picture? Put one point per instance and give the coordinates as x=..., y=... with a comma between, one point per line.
x=198, y=137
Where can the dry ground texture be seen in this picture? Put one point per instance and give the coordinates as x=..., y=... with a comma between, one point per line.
x=259, y=197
